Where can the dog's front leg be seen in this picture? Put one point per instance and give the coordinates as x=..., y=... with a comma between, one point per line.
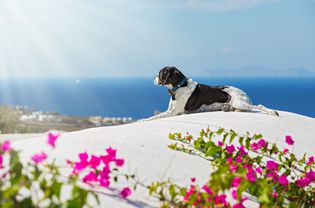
x=171, y=111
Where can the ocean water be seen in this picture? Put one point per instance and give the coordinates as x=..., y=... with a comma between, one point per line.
x=139, y=97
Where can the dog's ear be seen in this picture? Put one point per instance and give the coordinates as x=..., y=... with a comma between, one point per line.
x=166, y=76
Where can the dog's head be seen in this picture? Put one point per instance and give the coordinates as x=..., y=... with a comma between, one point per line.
x=169, y=76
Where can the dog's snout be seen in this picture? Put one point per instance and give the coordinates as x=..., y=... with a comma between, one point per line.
x=156, y=80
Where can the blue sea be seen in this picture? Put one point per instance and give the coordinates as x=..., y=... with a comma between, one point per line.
x=139, y=97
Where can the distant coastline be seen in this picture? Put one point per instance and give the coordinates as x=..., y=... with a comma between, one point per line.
x=18, y=119
x=139, y=97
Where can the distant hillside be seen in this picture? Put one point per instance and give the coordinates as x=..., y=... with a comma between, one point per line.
x=259, y=71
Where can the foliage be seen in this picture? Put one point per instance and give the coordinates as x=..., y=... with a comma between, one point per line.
x=245, y=168
x=9, y=121
x=39, y=182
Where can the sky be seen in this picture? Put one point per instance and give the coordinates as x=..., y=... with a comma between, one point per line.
x=121, y=38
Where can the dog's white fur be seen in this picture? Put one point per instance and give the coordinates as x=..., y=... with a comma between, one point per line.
x=239, y=101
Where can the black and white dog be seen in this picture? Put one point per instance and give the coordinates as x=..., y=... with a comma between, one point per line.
x=188, y=96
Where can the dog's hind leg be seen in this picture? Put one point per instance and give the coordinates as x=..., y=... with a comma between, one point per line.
x=261, y=108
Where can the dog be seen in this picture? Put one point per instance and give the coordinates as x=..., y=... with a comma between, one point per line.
x=188, y=96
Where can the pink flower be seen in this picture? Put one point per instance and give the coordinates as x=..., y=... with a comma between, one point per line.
x=238, y=159
x=254, y=146
x=220, y=143
x=193, y=179
x=259, y=170
x=233, y=168
x=285, y=150
x=189, y=192
x=95, y=161
x=236, y=182
x=240, y=205
x=262, y=143
x=1, y=161
x=234, y=194
x=275, y=194
x=83, y=157
x=207, y=189
x=310, y=175
x=251, y=176
x=52, y=139
x=82, y=164
x=310, y=160
x=40, y=157
x=229, y=160
x=242, y=150
x=126, y=192
x=283, y=180
x=303, y=182
x=90, y=177
x=111, y=152
x=6, y=146
x=106, y=159
x=289, y=140
x=230, y=149
x=271, y=165
x=220, y=199
x=104, y=182
x=119, y=162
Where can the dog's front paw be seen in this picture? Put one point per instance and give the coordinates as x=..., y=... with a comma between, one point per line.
x=226, y=108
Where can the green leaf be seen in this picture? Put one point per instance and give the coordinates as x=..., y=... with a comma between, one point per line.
x=220, y=131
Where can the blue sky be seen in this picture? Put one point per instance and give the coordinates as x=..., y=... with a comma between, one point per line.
x=117, y=38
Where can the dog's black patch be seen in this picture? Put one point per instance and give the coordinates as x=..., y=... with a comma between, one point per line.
x=206, y=95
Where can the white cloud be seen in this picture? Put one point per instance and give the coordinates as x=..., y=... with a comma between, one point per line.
x=225, y=5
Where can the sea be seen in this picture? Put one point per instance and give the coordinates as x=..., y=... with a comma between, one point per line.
x=140, y=98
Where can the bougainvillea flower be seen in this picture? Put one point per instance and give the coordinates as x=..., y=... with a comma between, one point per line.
x=233, y=168
x=82, y=164
x=126, y=192
x=40, y=157
x=262, y=143
x=83, y=157
x=283, y=180
x=90, y=177
x=285, y=150
x=111, y=152
x=207, y=189
x=193, y=179
x=119, y=162
x=104, y=182
x=230, y=149
x=303, y=182
x=95, y=161
x=52, y=138
x=6, y=146
x=242, y=150
x=310, y=160
x=220, y=143
x=289, y=140
x=310, y=175
x=239, y=205
x=236, y=182
x=238, y=159
x=254, y=146
x=271, y=165
x=275, y=194
x=259, y=170
x=251, y=176
x=220, y=199
x=1, y=161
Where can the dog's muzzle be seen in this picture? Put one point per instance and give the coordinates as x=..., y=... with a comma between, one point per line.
x=157, y=80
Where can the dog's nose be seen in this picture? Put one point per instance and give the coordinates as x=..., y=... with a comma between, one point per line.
x=156, y=80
